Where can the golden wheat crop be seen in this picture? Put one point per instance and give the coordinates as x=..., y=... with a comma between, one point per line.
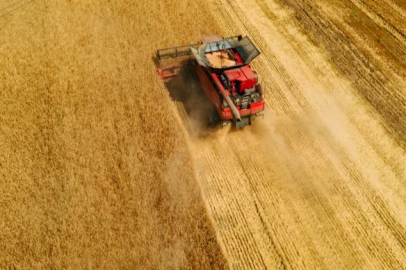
x=94, y=166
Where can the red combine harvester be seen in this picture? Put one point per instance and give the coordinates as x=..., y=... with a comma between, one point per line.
x=224, y=73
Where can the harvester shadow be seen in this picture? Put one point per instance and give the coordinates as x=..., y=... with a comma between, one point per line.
x=185, y=89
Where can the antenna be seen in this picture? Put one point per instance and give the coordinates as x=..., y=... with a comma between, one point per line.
x=221, y=57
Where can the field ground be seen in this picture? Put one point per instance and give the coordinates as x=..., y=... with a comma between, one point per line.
x=320, y=182
x=101, y=170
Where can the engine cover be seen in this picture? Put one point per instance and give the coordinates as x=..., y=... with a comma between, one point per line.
x=244, y=75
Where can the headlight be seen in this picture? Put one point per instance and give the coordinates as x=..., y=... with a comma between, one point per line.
x=255, y=97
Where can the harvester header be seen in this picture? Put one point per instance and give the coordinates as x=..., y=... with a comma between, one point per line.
x=206, y=52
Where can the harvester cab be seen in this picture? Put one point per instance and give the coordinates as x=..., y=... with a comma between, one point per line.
x=224, y=73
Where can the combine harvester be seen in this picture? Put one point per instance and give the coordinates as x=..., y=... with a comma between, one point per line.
x=224, y=73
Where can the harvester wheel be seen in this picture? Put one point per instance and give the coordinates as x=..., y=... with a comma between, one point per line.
x=213, y=120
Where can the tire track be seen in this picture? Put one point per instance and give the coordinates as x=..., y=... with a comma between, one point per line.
x=345, y=195
x=240, y=210
x=311, y=59
x=282, y=253
x=387, y=19
x=270, y=188
x=369, y=193
x=322, y=204
x=245, y=248
x=257, y=177
x=350, y=162
x=376, y=86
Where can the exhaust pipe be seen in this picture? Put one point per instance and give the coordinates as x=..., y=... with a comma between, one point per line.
x=234, y=111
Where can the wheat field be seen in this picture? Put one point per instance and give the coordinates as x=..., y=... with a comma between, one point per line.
x=105, y=166
x=94, y=165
